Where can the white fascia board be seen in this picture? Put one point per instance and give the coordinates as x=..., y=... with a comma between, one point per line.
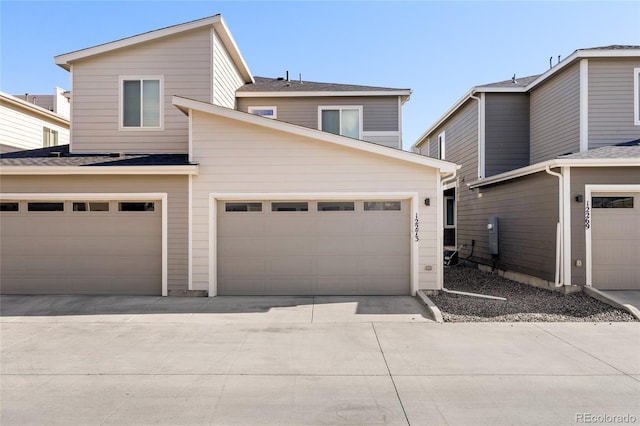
x=185, y=105
x=98, y=170
x=50, y=115
x=216, y=21
x=320, y=93
x=535, y=168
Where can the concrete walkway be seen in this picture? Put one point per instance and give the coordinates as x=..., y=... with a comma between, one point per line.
x=296, y=361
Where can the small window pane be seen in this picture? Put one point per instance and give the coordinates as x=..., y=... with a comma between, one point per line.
x=9, y=206
x=336, y=206
x=79, y=207
x=264, y=112
x=612, y=202
x=243, y=207
x=54, y=138
x=450, y=211
x=131, y=104
x=151, y=103
x=331, y=121
x=351, y=123
x=290, y=207
x=99, y=207
x=45, y=207
x=136, y=207
x=382, y=205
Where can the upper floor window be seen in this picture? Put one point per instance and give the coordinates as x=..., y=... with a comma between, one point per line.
x=141, y=102
x=636, y=96
x=267, y=111
x=49, y=137
x=441, y=146
x=341, y=120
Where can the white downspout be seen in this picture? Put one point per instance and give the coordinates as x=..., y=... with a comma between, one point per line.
x=559, y=230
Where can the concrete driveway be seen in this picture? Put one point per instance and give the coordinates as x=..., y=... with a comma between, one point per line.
x=294, y=361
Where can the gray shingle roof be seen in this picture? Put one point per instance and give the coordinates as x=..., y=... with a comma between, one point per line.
x=48, y=157
x=622, y=150
x=519, y=82
x=264, y=84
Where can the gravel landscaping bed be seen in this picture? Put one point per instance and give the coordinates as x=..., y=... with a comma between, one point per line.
x=524, y=303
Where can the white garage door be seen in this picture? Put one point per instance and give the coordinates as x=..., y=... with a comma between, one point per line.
x=313, y=247
x=81, y=247
x=615, y=241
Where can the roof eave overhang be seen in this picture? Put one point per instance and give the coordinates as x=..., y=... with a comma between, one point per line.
x=98, y=170
x=320, y=93
x=536, y=168
x=49, y=115
x=185, y=105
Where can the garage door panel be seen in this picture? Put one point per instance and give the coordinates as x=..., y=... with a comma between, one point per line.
x=313, y=252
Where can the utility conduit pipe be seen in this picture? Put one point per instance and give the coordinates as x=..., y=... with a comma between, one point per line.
x=559, y=230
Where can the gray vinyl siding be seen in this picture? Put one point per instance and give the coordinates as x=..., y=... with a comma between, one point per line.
x=611, y=100
x=506, y=132
x=184, y=61
x=226, y=78
x=555, y=116
x=178, y=206
x=579, y=178
x=379, y=113
x=527, y=210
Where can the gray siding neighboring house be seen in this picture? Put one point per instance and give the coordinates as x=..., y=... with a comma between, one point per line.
x=545, y=144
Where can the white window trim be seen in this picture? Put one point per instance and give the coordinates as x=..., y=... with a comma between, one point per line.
x=162, y=197
x=251, y=110
x=121, y=80
x=442, y=143
x=588, y=191
x=412, y=197
x=636, y=96
x=341, y=108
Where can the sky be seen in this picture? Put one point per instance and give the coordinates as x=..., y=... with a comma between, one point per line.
x=437, y=49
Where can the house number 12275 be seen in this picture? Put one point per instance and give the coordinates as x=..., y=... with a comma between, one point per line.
x=417, y=228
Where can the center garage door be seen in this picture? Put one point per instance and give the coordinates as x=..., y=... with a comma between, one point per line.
x=81, y=247
x=615, y=237
x=313, y=247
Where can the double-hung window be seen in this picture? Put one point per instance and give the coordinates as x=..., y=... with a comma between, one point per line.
x=341, y=120
x=49, y=137
x=141, y=102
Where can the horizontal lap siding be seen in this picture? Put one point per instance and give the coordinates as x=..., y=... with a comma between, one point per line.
x=178, y=205
x=184, y=62
x=379, y=113
x=236, y=157
x=23, y=130
x=527, y=210
x=595, y=176
x=226, y=78
x=555, y=116
x=506, y=132
x=611, y=100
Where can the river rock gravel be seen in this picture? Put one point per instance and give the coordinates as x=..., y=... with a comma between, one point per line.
x=524, y=303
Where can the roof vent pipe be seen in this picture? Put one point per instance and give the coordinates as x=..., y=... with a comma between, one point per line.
x=287, y=75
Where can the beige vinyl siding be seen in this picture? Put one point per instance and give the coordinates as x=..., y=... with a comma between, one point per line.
x=581, y=176
x=555, y=116
x=175, y=186
x=184, y=62
x=611, y=100
x=226, y=78
x=527, y=211
x=22, y=129
x=379, y=113
x=506, y=132
x=237, y=157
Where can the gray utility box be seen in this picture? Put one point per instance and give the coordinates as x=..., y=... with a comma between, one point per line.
x=493, y=228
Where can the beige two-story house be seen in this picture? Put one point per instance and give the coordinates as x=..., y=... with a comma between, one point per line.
x=187, y=174
x=549, y=186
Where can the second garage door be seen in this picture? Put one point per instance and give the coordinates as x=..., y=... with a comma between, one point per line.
x=357, y=247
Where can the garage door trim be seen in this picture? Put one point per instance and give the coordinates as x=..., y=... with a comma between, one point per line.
x=588, y=190
x=102, y=196
x=315, y=196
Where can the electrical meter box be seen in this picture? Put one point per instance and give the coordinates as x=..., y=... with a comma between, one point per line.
x=493, y=229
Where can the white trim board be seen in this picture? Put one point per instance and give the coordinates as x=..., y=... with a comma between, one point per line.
x=588, y=190
x=100, y=196
x=239, y=196
x=320, y=93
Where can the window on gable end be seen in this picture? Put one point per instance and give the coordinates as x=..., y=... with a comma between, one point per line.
x=441, y=146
